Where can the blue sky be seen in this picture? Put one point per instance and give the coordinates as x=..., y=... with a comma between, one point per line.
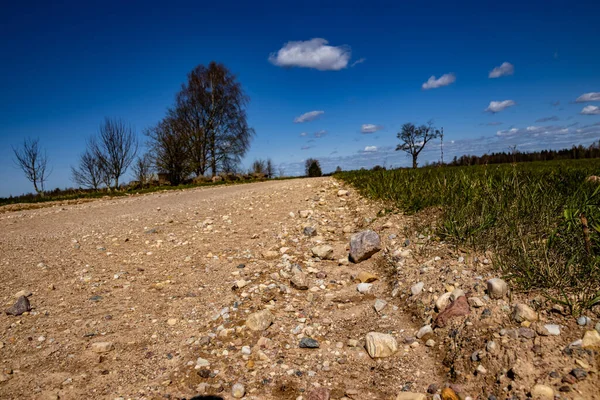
x=66, y=66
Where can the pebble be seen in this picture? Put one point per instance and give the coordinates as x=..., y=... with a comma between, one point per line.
x=324, y=252
x=417, y=288
x=309, y=231
x=491, y=347
x=497, y=288
x=522, y=312
x=21, y=306
x=411, y=396
x=364, y=287
x=591, y=340
x=553, y=329
x=379, y=305
x=380, y=345
x=320, y=393
x=102, y=347
x=308, y=343
x=476, y=302
x=260, y=320
x=542, y=392
x=579, y=373
x=442, y=302
x=25, y=293
x=363, y=245
x=172, y=322
x=583, y=320
x=366, y=277
x=425, y=330
x=238, y=391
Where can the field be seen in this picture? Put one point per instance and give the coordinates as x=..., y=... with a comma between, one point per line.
x=540, y=220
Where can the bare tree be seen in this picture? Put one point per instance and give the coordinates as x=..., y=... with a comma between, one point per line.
x=270, y=169
x=142, y=169
x=115, y=148
x=415, y=138
x=89, y=172
x=33, y=162
x=281, y=171
x=259, y=167
x=169, y=149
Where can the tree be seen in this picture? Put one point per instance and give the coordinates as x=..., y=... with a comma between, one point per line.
x=34, y=163
x=169, y=149
x=89, y=172
x=115, y=148
x=312, y=168
x=270, y=169
x=338, y=169
x=259, y=167
x=142, y=169
x=210, y=112
x=415, y=138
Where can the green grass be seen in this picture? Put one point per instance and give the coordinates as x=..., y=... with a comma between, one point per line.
x=530, y=215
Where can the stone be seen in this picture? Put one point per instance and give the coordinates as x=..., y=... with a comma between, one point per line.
x=305, y=213
x=363, y=245
x=579, y=373
x=426, y=330
x=21, y=305
x=460, y=307
x=379, y=305
x=324, y=252
x=542, y=392
x=299, y=280
x=260, y=320
x=364, y=287
x=416, y=289
x=522, y=312
x=102, y=347
x=411, y=396
x=526, y=333
x=583, y=320
x=449, y=394
x=591, y=340
x=497, y=288
x=341, y=193
x=309, y=231
x=238, y=391
x=442, y=302
x=365, y=277
x=380, y=345
x=308, y=343
x=25, y=293
x=321, y=393
x=476, y=302
x=270, y=254
x=432, y=389
x=202, y=363
x=491, y=347
x=172, y=321
x=552, y=329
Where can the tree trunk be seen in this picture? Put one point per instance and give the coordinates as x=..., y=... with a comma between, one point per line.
x=414, y=157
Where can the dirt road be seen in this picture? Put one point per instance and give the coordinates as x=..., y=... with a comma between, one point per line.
x=165, y=281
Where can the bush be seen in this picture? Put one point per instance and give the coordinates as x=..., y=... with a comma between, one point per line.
x=313, y=168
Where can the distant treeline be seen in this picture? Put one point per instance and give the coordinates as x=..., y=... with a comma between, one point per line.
x=574, y=153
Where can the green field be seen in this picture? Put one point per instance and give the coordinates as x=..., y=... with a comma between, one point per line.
x=541, y=220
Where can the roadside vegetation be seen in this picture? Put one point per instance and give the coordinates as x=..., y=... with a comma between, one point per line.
x=540, y=220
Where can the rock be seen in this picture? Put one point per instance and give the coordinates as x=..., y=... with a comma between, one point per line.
x=380, y=345
x=102, y=347
x=202, y=363
x=308, y=343
x=260, y=320
x=583, y=320
x=365, y=277
x=341, y=193
x=320, y=393
x=481, y=369
x=476, y=302
x=172, y=321
x=410, y=396
x=21, y=305
x=270, y=254
x=363, y=245
x=591, y=340
x=238, y=391
x=364, y=287
x=430, y=343
x=299, y=280
x=497, y=288
x=579, y=373
x=491, y=347
x=522, y=312
x=552, y=329
x=426, y=330
x=324, y=252
x=417, y=288
x=460, y=307
x=379, y=305
x=542, y=392
x=442, y=302
x=309, y=231
x=432, y=389
x=25, y=293
x=449, y=394
x=305, y=213
x=526, y=333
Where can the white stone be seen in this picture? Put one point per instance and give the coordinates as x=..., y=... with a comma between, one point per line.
x=552, y=329
x=542, y=392
x=380, y=345
x=364, y=287
x=424, y=331
x=379, y=305
x=442, y=302
x=497, y=288
x=417, y=288
x=238, y=391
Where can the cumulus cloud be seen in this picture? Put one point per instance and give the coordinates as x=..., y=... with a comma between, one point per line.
x=548, y=119
x=314, y=53
x=497, y=106
x=320, y=133
x=444, y=80
x=503, y=70
x=309, y=116
x=590, y=110
x=370, y=128
x=592, y=96
x=370, y=149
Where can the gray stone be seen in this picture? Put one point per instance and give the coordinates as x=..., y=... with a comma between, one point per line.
x=310, y=231
x=324, y=252
x=497, y=288
x=363, y=245
x=424, y=331
x=260, y=320
x=583, y=320
x=552, y=329
x=379, y=305
x=299, y=280
x=21, y=305
x=308, y=343
x=380, y=345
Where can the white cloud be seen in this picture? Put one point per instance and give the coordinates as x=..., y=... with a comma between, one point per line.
x=503, y=70
x=497, y=106
x=320, y=133
x=444, y=80
x=309, y=116
x=592, y=96
x=370, y=149
x=359, y=61
x=313, y=53
x=370, y=128
x=303, y=134
x=590, y=110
